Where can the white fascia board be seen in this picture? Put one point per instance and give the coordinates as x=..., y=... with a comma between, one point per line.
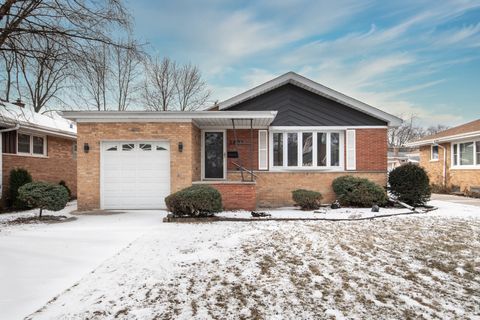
x=461, y=136
x=296, y=79
x=163, y=116
x=47, y=131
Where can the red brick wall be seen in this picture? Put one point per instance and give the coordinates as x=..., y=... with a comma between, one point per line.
x=371, y=149
x=237, y=195
x=245, y=156
x=58, y=165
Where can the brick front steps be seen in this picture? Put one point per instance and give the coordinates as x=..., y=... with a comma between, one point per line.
x=235, y=194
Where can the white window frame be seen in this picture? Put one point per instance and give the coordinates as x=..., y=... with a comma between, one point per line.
x=476, y=165
x=431, y=153
x=314, y=167
x=31, y=135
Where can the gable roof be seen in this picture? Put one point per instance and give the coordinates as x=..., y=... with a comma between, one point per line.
x=467, y=130
x=54, y=124
x=310, y=85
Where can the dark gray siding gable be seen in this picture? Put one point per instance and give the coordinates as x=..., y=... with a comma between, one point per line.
x=299, y=107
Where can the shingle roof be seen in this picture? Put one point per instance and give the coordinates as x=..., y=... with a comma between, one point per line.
x=11, y=114
x=470, y=127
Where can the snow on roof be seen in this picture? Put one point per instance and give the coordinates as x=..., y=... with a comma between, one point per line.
x=51, y=122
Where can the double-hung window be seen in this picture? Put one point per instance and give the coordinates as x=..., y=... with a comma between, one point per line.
x=307, y=149
x=29, y=144
x=466, y=154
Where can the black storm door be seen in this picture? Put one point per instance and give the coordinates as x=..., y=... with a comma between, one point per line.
x=214, y=153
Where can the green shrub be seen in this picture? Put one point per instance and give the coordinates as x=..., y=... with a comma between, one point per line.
x=410, y=184
x=18, y=178
x=197, y=200
x=358, y=192
x=307, y=199
x=44, y=195
x=64, y=184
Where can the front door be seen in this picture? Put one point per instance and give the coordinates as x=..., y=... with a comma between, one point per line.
x=214, y=153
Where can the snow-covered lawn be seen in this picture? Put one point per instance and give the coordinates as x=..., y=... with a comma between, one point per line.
x=399, y=267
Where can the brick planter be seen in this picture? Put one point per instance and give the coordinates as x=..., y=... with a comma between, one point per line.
x=235, y=194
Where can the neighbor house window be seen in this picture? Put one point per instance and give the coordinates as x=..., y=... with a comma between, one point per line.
x=466, y=154
x=308, y=149
x=434, y=153
x=31, y=144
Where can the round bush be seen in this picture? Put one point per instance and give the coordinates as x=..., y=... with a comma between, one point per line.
x=44, y=195
x=195, y=201
x=358, y=192
x=410, y=184
x=18, y=178
x=307, y=199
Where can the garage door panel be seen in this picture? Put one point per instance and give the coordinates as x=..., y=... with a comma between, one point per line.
x=135, y=179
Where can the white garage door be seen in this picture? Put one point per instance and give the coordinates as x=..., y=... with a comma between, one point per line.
x=135, y=175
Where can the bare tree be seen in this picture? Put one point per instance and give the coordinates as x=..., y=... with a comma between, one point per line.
x=126, y=63
x=407, y=131
x=159, y=87
x=8, y=67
x=68, y=23
x=435, y=129
x=190, y=89
x=92, y=76
x=45, y=75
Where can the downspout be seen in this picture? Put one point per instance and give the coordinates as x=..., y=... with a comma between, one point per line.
x=444, y=162
x=17, y=126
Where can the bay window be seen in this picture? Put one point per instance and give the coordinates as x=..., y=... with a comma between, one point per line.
x=28, y=144
x=466, y=154
x=307, y=149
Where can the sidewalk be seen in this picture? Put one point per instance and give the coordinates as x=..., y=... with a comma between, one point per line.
x=456, y=199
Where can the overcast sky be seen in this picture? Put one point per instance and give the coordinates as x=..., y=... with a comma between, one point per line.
x=413, y=57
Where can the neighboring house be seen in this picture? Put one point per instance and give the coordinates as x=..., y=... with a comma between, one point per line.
x=291, y=133
x=452, y=157
x=400, y=156
x=43, y=145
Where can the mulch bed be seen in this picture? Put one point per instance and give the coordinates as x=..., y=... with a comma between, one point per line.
x=45, y=219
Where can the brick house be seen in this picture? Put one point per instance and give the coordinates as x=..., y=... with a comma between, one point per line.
x=452, y=157
x=256, y=147
x=43, y=145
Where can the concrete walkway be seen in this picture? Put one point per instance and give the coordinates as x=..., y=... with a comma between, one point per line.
x=456, y=199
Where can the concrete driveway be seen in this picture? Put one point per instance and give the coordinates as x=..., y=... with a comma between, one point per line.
x=456, y=199
x=40, y=261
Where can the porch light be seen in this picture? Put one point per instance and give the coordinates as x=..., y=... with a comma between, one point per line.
x=180, y=147
x=86, y=147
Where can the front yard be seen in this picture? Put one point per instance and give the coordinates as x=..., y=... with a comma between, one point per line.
x=423, y=266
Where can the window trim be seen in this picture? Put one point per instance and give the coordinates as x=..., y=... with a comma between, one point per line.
x=265, y=165
x=300, y=167
x=431, y=153
x=459, y=166
x=31, y=154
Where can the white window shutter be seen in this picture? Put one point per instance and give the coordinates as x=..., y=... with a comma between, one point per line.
x=351, y=150
x=262, y=150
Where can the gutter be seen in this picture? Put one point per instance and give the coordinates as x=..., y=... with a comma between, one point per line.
x=17, y=126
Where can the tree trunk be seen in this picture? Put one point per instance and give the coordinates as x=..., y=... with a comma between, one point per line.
x=40, y=215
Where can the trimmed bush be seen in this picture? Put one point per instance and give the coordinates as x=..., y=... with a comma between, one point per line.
x=195, y=201
x=358, y=192
x=18, y=178
x=44, y=195
x=64, y=184
x=410, y=184
x=307, y=199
